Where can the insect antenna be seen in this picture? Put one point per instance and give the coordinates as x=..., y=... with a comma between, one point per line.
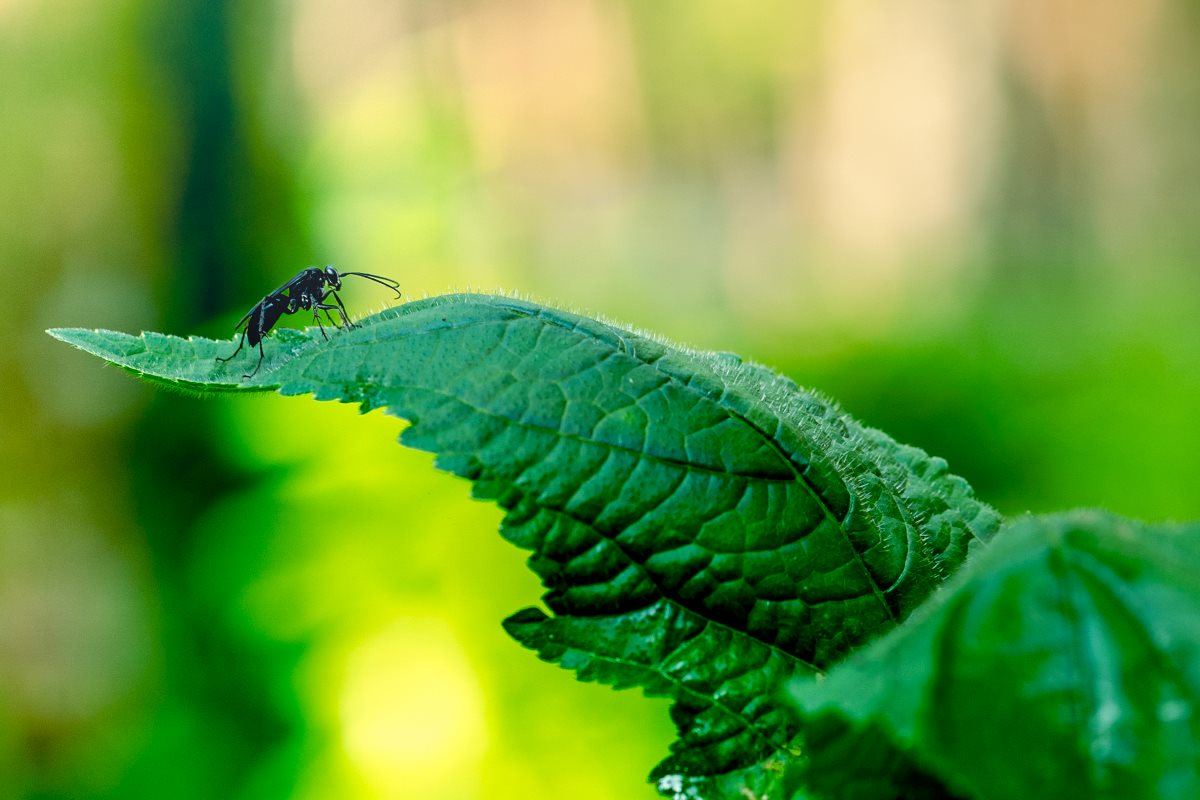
x=388, y=282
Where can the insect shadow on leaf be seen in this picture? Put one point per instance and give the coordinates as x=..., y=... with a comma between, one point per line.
x=308, y=290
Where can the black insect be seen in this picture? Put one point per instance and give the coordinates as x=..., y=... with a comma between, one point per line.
x=308, y=291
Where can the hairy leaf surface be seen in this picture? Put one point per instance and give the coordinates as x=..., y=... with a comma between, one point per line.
x=705, y=529
x=1063, y=662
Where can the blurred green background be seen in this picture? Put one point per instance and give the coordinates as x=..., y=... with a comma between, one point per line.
x=974, y=223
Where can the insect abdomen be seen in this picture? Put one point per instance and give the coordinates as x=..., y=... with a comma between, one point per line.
x=264, y=318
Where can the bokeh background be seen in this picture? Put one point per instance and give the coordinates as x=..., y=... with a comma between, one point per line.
x=974, y=223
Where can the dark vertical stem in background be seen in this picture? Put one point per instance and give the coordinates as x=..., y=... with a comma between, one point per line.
x=205, y=226
x=233, y=210
x=237, y=231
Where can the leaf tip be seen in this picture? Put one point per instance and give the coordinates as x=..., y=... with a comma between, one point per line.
x=106, y=344
x=68, y=335
x=82, y=338
x=520, y=625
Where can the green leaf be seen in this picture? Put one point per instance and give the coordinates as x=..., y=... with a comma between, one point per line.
x=1063, y=662
x=706, y=530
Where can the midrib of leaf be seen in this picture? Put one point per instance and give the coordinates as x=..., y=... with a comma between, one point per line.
x=575, y=437
x=1074, y=603
x=1092, y=580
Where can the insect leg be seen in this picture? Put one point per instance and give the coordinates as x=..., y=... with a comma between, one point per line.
x=327, y=308
x=241, y=344
x=261, y=355
x=342, y=308
x=317, y=319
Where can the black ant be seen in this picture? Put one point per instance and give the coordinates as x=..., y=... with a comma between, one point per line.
x=308, y=291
